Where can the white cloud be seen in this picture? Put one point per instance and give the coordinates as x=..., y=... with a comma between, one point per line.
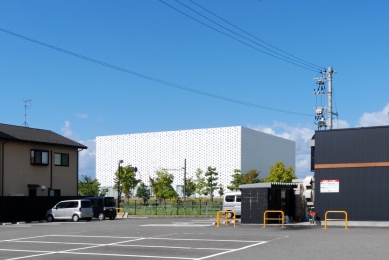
x=83, y=116
x=337, y=124
x=375, y=118
x=265, y=129
x=87, y=159
x=302, y=136
x=66, y=130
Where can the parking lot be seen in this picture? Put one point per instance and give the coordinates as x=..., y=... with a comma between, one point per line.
x=185, y=238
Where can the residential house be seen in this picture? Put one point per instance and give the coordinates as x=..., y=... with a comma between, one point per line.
x=37, y=162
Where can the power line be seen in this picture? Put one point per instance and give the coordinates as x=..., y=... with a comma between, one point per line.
x=150, y=78
x=244, y=37
x=251, y=46
x=319, y=67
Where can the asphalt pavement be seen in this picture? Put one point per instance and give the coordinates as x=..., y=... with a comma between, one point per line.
x=188, y=238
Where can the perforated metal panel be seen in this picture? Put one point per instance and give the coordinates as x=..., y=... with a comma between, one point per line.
x=216, y=147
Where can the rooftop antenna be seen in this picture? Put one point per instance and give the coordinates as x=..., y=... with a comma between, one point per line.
x=26, y=104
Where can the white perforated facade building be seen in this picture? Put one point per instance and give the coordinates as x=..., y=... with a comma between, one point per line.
x=225, y=148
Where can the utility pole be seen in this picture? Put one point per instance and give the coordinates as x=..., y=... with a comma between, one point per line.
x=321, y=90
x=119, y=189
x=184, y=181
x=329, y=73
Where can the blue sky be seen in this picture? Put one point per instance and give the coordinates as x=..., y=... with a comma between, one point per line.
x=81, y=99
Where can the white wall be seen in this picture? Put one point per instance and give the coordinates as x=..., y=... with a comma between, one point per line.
x=216, y=147
x=261, y=151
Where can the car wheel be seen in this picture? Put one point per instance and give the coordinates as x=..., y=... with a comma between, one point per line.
x=75, y=218
x=50, y=218
x=101, y=216
x=88, y=219
x=112, y=218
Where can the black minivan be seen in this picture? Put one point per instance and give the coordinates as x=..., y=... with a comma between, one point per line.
x=103, y=207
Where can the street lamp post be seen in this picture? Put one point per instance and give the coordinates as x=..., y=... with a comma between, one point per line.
x=185, y=182
x=119, y=189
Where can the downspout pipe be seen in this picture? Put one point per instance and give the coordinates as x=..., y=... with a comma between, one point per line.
x=2, y=168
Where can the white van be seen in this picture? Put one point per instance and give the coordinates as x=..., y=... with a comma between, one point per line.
x=71, y=209
x=232, y=202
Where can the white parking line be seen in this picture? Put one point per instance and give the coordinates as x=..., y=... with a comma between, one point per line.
x=118, y=245
x=141, y=256
x=178, y=247
x=29, y=256
x=62, y=243
x=38, y=253
x=230, y=251
x=210, y=240
x=90, y=236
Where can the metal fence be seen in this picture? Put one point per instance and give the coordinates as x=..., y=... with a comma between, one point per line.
x=173, y=208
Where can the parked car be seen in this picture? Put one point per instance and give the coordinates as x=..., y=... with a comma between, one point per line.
x=71, y=209
x=232, y=202
x=103, y=207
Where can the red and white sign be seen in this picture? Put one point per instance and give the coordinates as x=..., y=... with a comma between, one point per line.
x=327, y=186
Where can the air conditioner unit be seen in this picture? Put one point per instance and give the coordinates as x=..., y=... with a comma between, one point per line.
x=308, y=195
x=308, y=182
x=309, y=190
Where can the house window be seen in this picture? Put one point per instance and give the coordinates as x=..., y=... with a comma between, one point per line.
x=61, y=159
x=39, y=157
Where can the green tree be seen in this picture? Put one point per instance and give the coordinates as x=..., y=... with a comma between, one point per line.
x=221, y=190
x=278, y=173
x=143, y=192
x=162, y=185
x=128, y=181
x=88, y=186
x=210, y=180
x=237, y=179
x=103, y=191
x=190, y=188
x=252, y=176
x=200, y=183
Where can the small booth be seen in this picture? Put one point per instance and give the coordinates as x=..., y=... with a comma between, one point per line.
x=259, y=197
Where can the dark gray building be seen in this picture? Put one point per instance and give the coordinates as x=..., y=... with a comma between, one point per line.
x=352, y=172
x=259, y=197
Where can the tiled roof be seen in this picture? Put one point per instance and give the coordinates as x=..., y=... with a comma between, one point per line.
x=34, y=135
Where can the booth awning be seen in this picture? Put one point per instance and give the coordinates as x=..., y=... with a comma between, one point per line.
x=33, y=186
x=290, y=185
